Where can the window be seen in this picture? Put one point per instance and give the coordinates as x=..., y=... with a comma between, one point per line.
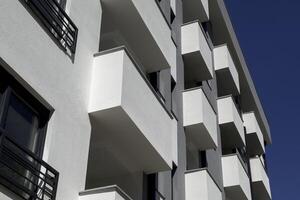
x=152, y=192
x=207, y=28
x=23, y=121
x=154, y=79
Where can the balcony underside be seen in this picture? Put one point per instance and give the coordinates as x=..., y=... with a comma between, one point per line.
x=144, y=40
x=200, y=136
x=226, y=83
x=118, y=147
x=231, y=137
x=260, y=192
x=254, y=147
x=235, y=193
x=195, y=67
x=195, y=9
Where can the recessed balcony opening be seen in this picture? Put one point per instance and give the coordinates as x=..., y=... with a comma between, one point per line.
x=148, y=39
x=195, y=159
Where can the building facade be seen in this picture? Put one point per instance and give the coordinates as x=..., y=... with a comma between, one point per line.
x=127, y=100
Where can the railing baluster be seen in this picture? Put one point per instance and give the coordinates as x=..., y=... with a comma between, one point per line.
x=56, y=21
x=29, y=181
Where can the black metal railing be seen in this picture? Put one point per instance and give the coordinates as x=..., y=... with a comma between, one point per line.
x=56, y=21
x=24, y=173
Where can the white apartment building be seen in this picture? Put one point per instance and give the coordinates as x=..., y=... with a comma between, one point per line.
x=127, y=100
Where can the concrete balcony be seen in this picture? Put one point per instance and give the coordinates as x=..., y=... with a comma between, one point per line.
x=197, y=54
x=150, y=39
x=230, y=122
x=227, y=74
x=199, y=119
x=195, y=10
x=131, y=128
x=104, y=193
x=260, y=180
x=235, y=178
x=254, y=137
x=199, y=185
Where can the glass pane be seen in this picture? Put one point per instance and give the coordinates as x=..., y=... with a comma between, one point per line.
x=22, y=124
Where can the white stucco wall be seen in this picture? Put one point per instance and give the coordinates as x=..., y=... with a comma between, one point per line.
x=64, y=84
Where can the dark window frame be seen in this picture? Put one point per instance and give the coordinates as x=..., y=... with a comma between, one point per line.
x=5, y=103
x=13, y=87
x=20, y=157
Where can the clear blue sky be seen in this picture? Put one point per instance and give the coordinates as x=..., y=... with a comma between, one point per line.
x=269, y=34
